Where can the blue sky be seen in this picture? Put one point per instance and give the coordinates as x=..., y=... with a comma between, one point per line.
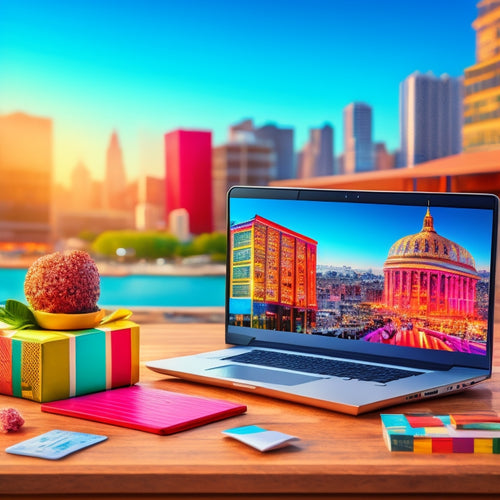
x=360, y=235
x=147, y=67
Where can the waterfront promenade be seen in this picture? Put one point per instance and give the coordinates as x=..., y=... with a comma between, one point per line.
x=108, y=268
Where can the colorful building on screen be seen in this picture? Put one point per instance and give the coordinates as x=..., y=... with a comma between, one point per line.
x=429, y=275
x=189, y=177
x=273, y=277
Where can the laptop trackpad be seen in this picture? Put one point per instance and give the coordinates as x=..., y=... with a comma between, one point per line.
x=262, y=375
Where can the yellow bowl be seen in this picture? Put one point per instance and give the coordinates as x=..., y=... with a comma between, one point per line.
x=56, y=321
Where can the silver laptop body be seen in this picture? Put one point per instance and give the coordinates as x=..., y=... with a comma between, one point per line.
x=353, y=301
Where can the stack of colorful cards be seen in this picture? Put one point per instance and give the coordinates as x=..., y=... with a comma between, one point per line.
x=426, y=433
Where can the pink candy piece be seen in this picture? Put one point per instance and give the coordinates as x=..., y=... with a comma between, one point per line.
x=10, y=420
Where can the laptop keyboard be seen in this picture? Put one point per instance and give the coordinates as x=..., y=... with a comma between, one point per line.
x=323, y=366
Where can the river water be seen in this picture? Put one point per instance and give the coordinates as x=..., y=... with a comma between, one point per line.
x=137, y=290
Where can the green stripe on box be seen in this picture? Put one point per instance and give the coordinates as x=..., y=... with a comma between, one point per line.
x=90, y=362
x=496, y=445
x=401, y=442
x=17, y=350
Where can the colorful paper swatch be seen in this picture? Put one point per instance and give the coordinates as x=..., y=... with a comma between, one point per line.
x=260, y=438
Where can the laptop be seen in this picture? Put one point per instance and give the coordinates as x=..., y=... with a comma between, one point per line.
x=353, y=301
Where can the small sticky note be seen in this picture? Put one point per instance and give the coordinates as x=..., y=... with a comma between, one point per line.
x=55, y=444
x=260, y=438
x=424, y=421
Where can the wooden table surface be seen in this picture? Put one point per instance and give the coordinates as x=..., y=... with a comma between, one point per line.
x=338, y=456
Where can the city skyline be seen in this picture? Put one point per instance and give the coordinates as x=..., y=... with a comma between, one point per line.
x=146, y=69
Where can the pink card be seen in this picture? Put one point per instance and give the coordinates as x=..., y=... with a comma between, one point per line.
x=146, y=409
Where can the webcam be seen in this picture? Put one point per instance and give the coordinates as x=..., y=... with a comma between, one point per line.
x=351, y=196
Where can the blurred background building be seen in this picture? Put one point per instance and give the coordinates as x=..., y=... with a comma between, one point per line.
x=430, y=117
x=150, y=208
x=26, y=181
x=482, y=83
x=384, y=160
x=244, y=160
x=317, y=156
x=188, y=174
x=281, y=140
x=115, y=187
x=358, y=142
x=89, y=206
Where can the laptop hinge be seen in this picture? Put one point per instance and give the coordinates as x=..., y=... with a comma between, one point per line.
x=239, y=339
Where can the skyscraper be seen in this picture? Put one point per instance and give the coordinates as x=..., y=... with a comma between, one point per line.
x=189, y=176
x=150, y=208
x=26, y=175
x=81, y=188
x=279, y=138
x=116, y=181
x=430, y=117
x=317, y=156
x=358, y=143
x=383, y=159
x=243, y=161
x=282, y=141
x=243, y=131
x=481, y=128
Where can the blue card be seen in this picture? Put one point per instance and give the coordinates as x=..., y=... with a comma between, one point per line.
x=55, y=444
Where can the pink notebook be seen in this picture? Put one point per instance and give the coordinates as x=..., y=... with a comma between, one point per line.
x=146, y=409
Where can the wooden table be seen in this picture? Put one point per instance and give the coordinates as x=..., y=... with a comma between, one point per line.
x=338, y=456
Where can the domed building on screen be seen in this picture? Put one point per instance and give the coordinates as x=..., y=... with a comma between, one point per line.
x=429, y=275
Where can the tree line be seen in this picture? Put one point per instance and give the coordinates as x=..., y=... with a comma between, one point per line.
x=152, y=245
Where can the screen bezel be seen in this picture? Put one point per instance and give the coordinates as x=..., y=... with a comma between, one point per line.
x=341, y=347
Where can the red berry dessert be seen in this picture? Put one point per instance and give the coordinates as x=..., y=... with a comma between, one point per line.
x=63, y=282
x=10, y=420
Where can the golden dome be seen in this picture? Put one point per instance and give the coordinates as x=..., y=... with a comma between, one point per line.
x=427, y=245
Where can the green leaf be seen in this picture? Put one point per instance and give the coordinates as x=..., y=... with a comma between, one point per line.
x=17, y=315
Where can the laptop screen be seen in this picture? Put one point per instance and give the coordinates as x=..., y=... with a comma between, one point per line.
x=410, y=271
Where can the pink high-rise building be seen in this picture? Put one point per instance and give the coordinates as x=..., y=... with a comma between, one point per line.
x=189, y=177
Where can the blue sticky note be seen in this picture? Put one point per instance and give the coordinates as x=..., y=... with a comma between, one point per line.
x=247, y=429
x=55, y=444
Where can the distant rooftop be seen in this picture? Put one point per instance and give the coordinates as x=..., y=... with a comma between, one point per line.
x=465, y=172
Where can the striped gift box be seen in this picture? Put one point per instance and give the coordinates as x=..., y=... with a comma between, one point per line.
x=44, y=365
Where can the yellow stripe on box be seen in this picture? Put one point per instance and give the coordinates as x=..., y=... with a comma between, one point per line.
x=55, y=370
x=483, y=445
x=422, y=445
x=134, y=339
x=109, y=366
